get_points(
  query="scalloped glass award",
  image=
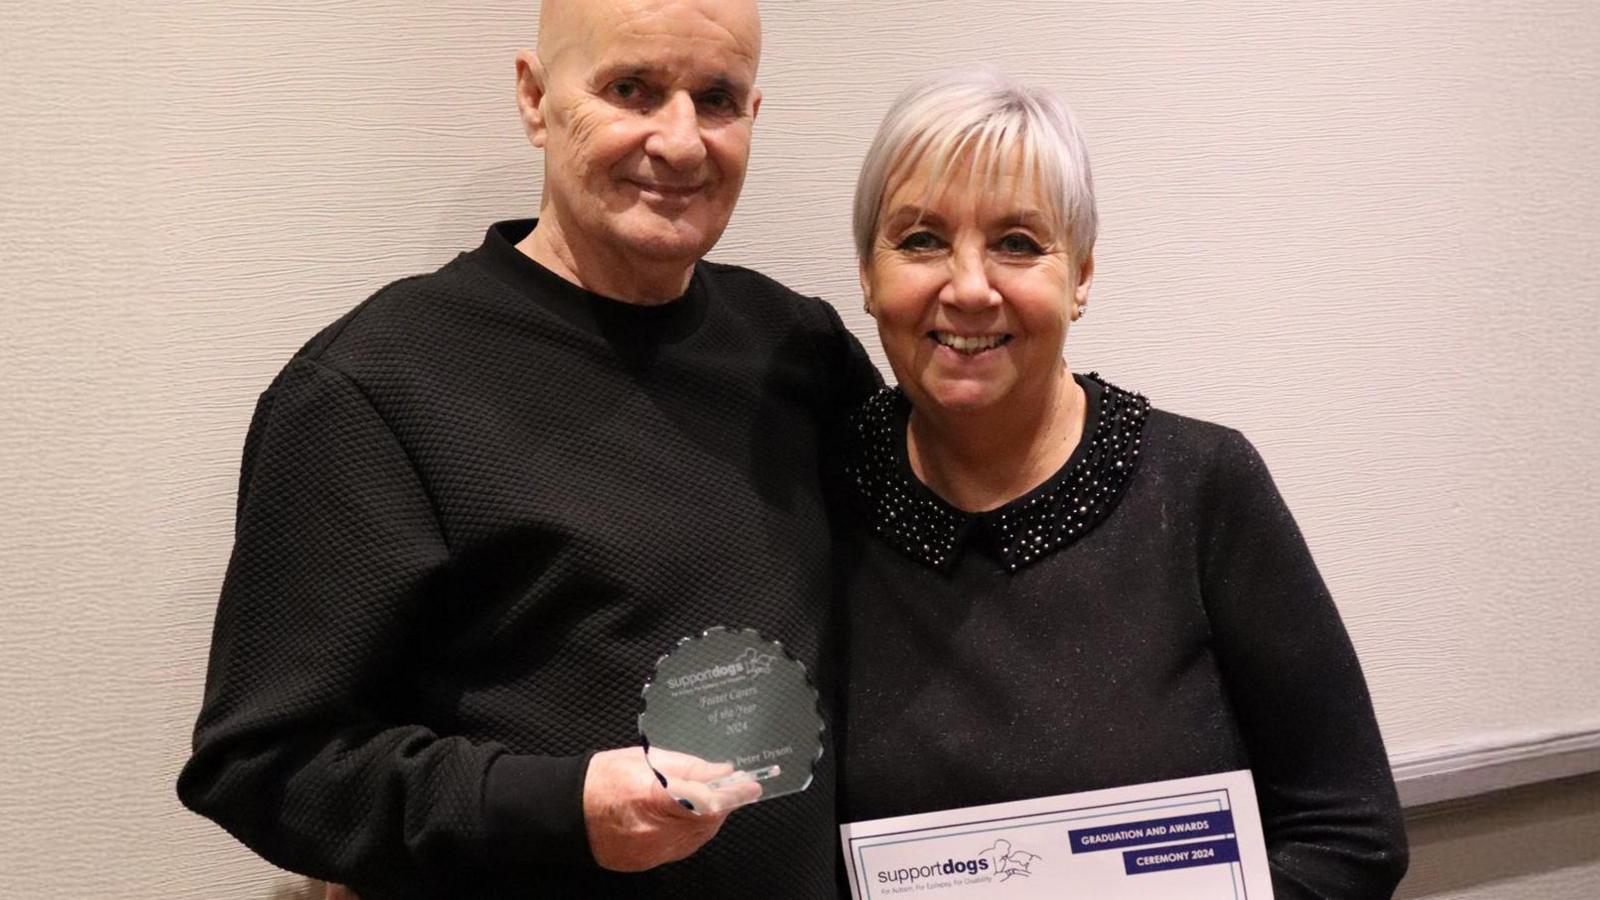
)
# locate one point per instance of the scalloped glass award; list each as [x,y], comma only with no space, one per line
[730,718]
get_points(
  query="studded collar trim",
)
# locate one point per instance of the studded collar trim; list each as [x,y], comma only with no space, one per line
[910,517]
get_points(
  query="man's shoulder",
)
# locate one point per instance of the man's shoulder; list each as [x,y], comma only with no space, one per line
[754,289]
[404,319]
[729,273]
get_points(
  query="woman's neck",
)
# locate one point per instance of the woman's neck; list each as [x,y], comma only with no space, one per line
[981,461]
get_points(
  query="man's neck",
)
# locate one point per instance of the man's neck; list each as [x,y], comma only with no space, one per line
[982,461]
[602,270]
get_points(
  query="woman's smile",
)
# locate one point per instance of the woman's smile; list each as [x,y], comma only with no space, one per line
[969,344]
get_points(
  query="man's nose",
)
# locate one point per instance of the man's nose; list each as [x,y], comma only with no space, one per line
[677,140]
[969,287]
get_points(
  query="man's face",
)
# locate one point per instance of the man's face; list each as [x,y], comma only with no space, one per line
[647,115]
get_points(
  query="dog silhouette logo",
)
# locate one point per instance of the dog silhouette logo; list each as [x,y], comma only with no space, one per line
[1010,862]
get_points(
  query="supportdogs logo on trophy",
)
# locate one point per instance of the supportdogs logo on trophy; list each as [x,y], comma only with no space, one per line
[732,697]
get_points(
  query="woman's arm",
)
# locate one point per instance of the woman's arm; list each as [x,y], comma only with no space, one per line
[1333,821]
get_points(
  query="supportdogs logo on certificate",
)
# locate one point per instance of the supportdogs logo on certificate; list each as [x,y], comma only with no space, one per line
[1010,862]
[1000,862]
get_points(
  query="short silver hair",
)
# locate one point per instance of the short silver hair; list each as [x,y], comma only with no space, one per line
[985,117]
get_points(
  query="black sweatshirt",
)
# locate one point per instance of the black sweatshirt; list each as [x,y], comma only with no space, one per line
[472,514]
[1150,612]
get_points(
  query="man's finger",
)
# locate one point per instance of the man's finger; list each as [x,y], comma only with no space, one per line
[737,794]
[674,764]
[694,798]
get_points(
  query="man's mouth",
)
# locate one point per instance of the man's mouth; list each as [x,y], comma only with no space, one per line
[674,191]
[969,344]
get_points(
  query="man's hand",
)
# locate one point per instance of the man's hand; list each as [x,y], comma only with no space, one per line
[634,824]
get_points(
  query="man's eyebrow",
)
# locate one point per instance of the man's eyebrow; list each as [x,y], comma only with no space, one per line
[735,86]
[626,70]
[647,71]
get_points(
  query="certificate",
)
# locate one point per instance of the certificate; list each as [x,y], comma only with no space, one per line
[1191,838]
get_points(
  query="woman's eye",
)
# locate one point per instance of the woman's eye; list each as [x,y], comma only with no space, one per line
[919,241]
[1019,244]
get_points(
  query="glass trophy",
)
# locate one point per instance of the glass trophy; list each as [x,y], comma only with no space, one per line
[730,718]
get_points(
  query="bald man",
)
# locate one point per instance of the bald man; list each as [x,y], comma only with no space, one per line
[475,510]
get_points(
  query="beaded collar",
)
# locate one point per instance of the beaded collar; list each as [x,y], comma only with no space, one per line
[914,520]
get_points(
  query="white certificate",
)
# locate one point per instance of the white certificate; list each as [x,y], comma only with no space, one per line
[1191,838]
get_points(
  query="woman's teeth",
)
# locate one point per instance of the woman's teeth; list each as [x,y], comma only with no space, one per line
[970,344]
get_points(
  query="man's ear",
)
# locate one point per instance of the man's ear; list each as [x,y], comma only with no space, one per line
[531,86]
[755,103]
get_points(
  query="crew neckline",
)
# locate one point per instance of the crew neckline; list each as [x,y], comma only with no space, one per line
[664,322]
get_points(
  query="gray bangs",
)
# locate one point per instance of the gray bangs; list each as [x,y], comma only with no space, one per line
[979,126]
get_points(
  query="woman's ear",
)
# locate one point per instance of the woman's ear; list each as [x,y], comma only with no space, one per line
[1080,293]
[530,96]
[866,290]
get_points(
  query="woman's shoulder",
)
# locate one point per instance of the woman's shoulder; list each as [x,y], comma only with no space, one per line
[1177,448]
[880,407]
[865,439]
[1190,435]
[1210,456]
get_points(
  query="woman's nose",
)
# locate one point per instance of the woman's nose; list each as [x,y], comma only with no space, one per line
[969,286]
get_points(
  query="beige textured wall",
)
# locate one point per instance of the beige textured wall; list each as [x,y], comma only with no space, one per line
[1361,231]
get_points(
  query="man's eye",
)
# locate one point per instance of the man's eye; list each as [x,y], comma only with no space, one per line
[720,102]
[918,242]
[1018,244]
[627,90]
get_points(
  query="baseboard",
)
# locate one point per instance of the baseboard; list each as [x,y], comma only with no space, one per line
[1453,773]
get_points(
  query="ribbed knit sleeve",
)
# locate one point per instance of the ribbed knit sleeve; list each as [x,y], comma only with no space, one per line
[298,751]
[1327,797]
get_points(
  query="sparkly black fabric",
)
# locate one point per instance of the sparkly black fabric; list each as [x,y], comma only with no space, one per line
[1181,629]
[919,524]
[472,515]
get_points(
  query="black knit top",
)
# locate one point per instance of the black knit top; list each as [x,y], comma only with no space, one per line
[472,514]
[1150,612]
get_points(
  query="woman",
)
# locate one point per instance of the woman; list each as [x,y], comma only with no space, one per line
[1055,587]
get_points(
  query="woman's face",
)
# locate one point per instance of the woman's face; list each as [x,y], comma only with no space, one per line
[973,292]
